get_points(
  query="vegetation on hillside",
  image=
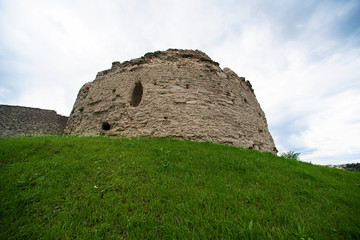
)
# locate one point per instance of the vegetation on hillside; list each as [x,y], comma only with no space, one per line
[111,188]
[353,167]
[291,155]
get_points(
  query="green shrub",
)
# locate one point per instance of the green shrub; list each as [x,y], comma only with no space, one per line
[291,155]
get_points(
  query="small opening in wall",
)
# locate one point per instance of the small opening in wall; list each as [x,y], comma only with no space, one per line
[187,86]
[245,100]
[106,126]
[136,94]
[114,90]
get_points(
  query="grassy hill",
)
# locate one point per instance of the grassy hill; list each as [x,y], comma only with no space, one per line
[109,188]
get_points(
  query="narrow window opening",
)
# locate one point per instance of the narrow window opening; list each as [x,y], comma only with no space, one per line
[136,94]
[106,126]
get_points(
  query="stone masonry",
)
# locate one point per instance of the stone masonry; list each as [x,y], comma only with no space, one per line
[174,93]
[16,121]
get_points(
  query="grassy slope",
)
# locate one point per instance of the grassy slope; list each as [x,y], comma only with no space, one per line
[105,188]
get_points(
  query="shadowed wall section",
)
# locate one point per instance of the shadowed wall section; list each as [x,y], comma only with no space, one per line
[16,121]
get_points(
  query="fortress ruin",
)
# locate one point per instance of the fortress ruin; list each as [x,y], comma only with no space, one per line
[174,93]
[17,121]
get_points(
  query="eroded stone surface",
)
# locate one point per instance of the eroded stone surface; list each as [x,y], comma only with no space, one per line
[173,93]
[17,121]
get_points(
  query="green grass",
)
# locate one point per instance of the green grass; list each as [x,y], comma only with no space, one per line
[110,188]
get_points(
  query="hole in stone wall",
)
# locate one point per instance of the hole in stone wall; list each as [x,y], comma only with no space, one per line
[106,126]
[245,100]
[187,86]
[136,94]
[114,90]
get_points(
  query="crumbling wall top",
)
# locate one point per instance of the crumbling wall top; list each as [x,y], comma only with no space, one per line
[172,93]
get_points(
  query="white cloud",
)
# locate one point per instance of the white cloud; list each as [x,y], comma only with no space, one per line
[334,131]
[299,80]
[4,94]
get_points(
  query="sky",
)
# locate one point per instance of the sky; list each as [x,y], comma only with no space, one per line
[301,56]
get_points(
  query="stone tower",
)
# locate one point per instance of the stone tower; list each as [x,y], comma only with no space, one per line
[174,93]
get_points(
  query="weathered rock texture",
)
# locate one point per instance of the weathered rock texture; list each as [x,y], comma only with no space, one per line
[173,93]
[16,121]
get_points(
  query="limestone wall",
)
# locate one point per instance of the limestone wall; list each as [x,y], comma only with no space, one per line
[16,121]
[174,93]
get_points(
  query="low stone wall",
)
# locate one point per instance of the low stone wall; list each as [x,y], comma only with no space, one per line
[17,121]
